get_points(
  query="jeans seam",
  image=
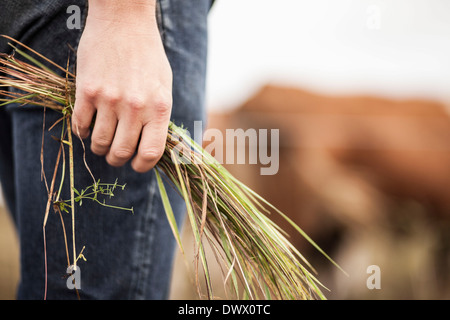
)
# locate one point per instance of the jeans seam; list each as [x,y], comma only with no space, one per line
[160,20]
[83,25]
[144,246]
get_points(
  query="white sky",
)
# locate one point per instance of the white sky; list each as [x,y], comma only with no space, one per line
[388,47]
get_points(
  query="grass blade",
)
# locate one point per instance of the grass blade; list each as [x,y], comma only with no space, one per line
[168,210]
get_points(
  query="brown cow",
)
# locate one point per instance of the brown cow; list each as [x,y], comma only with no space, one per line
[367,177]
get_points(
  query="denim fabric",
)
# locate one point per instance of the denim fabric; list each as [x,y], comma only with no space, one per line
[129,256]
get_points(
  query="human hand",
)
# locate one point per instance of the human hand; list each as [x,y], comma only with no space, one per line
[124,77]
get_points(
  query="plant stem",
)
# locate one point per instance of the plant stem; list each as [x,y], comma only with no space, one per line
[72,186]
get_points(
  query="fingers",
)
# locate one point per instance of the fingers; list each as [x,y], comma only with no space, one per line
[124,128]
[154,134]
[82,117]
[103,132]
[125,142]
[150,149]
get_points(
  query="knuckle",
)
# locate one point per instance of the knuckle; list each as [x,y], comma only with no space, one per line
[162,107]
[121,155]
[151,154]
[163,102]
[135,103]
[89,91]
[93,92]
[111,97]
[101,142]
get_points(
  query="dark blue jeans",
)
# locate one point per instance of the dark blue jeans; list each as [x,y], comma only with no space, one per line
[129,255]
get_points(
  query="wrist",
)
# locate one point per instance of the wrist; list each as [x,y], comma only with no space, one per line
[123,11]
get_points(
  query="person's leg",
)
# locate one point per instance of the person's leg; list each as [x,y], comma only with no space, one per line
[42,26]
[129,255]
[6,162]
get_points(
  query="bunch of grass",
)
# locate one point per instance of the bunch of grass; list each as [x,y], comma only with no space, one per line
[257,259]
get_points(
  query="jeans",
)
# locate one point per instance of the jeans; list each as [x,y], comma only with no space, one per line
[129,255]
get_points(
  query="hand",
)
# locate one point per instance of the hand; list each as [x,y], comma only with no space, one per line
[124,77]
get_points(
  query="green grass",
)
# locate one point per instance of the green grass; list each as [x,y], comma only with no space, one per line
[257,258]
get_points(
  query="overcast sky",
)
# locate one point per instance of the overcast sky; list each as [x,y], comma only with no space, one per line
[390,47]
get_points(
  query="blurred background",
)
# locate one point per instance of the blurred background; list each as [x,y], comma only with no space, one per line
[359,90]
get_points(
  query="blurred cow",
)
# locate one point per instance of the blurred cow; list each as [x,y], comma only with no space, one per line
[368,178]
